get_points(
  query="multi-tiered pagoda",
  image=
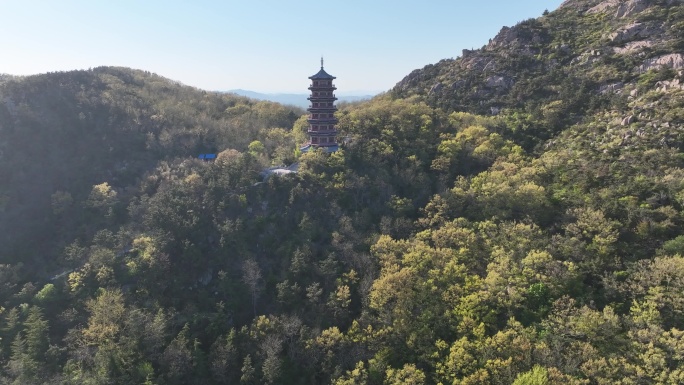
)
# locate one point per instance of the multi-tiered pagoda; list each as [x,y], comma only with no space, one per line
[322,122]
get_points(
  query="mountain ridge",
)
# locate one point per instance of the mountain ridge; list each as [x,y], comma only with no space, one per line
[584,45]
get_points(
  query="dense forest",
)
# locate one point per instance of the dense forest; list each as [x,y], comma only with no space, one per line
[512,216]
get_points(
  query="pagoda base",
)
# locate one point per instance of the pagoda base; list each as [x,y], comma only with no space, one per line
[309,147]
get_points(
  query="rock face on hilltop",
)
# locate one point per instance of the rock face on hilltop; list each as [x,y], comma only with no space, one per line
[563,66]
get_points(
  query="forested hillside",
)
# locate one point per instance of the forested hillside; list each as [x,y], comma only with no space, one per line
[513,216]
[62,133]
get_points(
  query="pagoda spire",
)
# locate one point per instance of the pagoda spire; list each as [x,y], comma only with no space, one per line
[321,61]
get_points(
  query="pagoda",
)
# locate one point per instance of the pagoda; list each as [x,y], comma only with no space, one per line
[322,122]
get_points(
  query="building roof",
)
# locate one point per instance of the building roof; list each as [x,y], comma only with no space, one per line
[280,170]
[322,75]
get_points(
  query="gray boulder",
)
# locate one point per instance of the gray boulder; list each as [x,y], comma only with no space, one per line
[631,7]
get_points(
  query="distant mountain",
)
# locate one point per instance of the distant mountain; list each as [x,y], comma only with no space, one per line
[298,100]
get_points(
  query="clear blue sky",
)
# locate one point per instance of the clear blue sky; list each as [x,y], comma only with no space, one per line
[259,45]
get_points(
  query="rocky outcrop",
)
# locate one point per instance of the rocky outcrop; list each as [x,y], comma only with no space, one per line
[627,120]
[491,66]
[603,6]
[566,4]
[587,58]
[522,37]
[474,62]
[633,46]
[506,36]
[631,7]
[673,60]
[612,88]
[631,32]
[581,5]
[499,82]
[458,84]
[668,85]
[436,88]
[623,8]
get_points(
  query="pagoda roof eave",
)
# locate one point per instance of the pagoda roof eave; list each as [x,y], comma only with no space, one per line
[322,75]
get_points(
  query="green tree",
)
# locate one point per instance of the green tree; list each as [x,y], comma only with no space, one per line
[409,375]
[36,329]
[357,376]
[21,366]
[248,373]
[47,294]
[251,276]
[224,359]
[537,376]
[177,359]
[102,196]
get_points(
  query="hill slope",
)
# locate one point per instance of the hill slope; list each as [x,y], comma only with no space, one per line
[546,73]
[64,132]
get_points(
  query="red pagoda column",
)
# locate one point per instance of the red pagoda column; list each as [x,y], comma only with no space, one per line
[322,122]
